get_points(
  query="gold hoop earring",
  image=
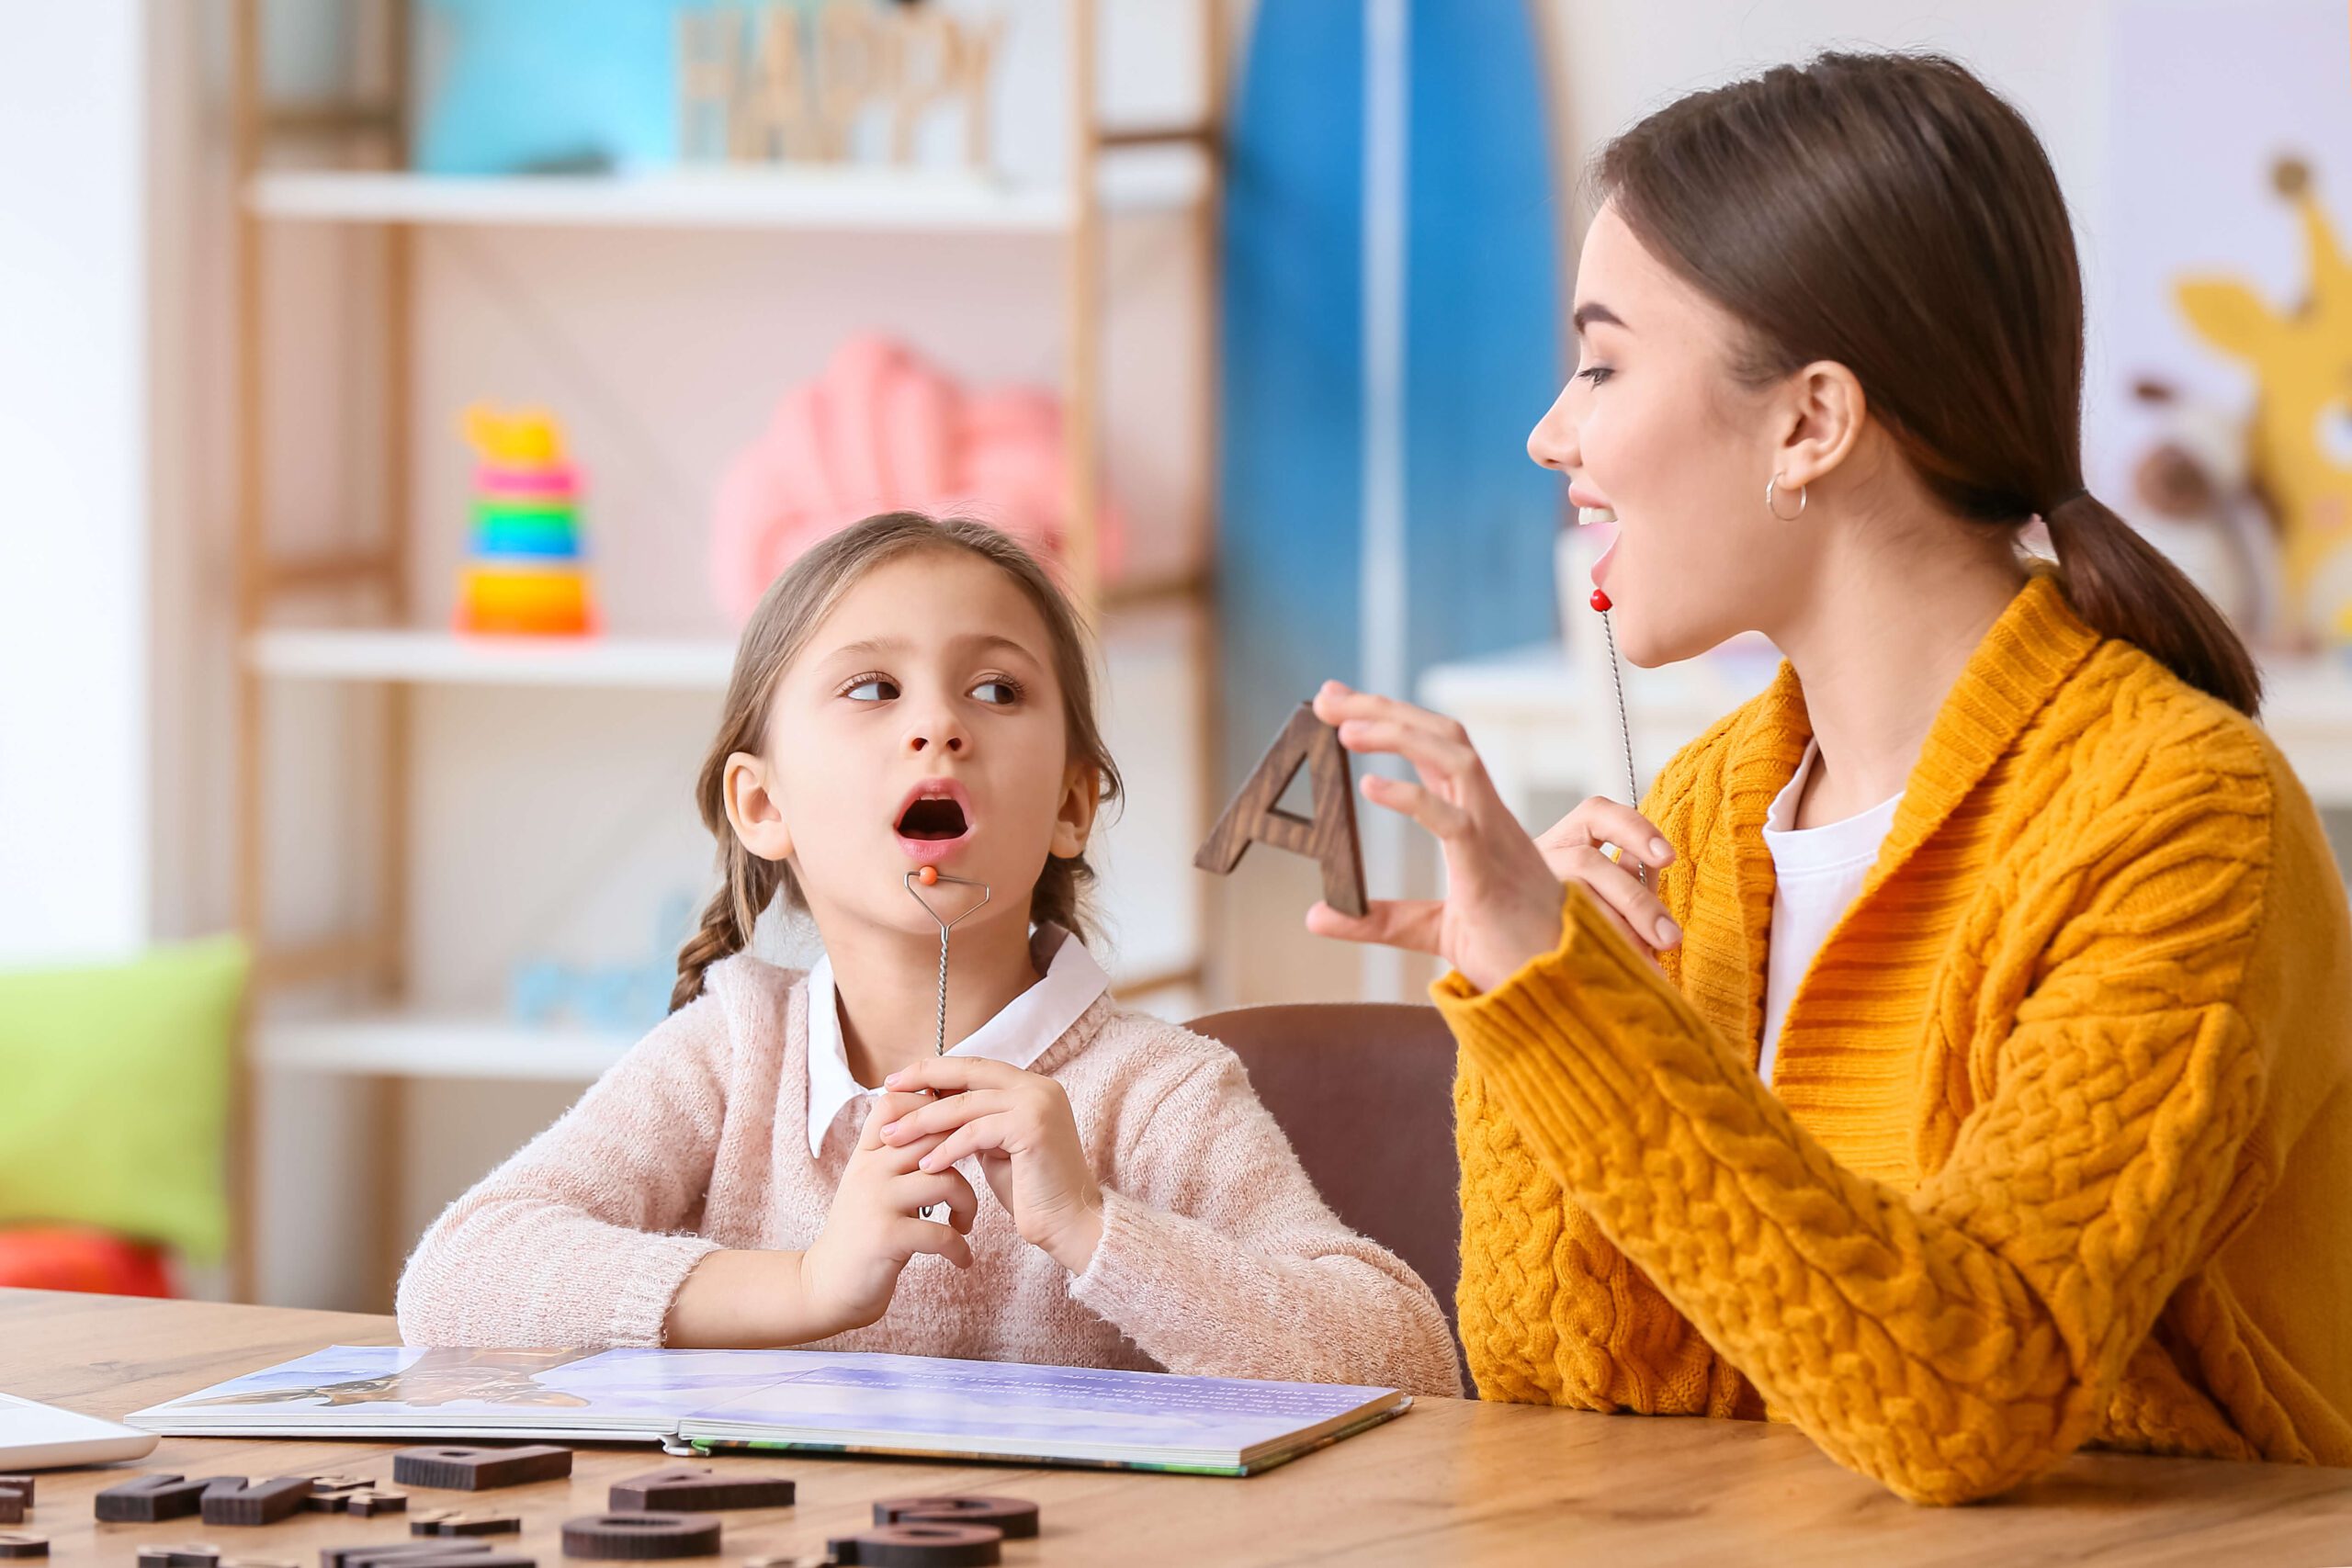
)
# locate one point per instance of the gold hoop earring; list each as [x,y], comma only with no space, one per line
[1771,485]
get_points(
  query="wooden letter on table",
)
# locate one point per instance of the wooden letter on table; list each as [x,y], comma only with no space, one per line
[1331,838]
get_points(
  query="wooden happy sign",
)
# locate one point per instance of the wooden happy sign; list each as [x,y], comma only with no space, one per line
[775,82]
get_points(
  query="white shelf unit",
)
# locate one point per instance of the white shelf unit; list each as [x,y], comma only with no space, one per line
[430,1046]
[817,200]
[427,657]
[1546,728]
[1163,169]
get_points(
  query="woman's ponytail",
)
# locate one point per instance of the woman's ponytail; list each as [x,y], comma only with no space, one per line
[2122,587]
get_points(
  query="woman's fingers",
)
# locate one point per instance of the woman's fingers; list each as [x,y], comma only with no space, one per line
[1392,922]
[1601,821]
[1431,810]
[1641,941]
[1440,756]
[1370,723]
[1636,906]
[1337,703]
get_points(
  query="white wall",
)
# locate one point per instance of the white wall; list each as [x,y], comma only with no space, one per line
[75,570]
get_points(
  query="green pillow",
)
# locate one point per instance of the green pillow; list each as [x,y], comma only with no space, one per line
[114,1094]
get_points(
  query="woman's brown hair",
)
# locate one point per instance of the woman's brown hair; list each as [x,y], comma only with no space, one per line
[1891,213]
[788,614]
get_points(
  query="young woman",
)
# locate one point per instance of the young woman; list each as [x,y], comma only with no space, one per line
[1962,1073]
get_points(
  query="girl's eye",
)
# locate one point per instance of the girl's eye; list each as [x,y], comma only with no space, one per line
[996,691]
[1596,374]
[871,689]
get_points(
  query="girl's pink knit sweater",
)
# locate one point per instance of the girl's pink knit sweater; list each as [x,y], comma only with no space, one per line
[1217,1255]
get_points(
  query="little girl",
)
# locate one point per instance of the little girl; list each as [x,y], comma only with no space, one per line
[916,694]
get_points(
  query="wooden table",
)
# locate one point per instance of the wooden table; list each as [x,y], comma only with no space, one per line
[1452,1481]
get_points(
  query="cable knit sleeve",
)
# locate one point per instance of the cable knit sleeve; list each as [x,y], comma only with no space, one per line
[581,1237]
[1551,1311]
[1219,1258]
[1958,1338]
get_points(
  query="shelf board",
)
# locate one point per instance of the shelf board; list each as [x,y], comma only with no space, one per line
[413,1045]
[460,1045]
[845,199]
[439,658]
[422,656]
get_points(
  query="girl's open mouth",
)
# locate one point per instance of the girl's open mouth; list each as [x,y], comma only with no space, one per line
[934,817]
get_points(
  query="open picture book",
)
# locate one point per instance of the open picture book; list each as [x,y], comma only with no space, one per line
[799,1401]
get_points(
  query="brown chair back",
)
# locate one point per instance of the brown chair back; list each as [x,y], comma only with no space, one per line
[1365,1092]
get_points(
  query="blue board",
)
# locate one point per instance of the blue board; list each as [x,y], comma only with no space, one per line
[1482,350]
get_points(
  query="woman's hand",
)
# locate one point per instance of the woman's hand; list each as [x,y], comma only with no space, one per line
[1572,848]
[872,1232]
[1503,890]
[1021,1126]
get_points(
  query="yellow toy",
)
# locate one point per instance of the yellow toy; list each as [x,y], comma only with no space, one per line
[525,575]
[2302,447]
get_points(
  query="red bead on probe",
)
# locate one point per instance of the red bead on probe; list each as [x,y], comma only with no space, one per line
[1600,600]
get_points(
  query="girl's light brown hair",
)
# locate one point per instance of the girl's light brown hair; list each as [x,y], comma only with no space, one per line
[1891,213]
[788,614]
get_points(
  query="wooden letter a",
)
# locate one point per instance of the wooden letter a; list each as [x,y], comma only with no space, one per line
[1331,838]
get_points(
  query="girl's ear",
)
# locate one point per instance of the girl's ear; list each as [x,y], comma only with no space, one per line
[1826,413]
[1074,822]
[754,809]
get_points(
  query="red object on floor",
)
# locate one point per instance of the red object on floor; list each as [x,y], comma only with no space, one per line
[68,1257]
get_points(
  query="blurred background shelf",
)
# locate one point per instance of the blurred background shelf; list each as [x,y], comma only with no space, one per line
[437,658]
[420,1045]
[1547,732]
[425,656]
[851,198]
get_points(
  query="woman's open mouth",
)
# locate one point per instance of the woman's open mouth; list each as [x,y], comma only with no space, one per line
[1604,519]
[935,817]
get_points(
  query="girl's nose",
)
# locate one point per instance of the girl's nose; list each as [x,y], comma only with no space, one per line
[941,737]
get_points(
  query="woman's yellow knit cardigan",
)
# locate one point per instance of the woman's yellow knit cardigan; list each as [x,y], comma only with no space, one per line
[2058,1148]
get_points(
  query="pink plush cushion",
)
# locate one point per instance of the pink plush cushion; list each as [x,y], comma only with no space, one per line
[880,431]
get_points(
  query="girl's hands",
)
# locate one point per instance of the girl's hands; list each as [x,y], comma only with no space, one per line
[849,1273]
[1503,890]
[1021,1126]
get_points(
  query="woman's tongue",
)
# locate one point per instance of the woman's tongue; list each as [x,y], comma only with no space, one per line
[1604,534]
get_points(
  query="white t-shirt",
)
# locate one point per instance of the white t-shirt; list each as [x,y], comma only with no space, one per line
[1818,872]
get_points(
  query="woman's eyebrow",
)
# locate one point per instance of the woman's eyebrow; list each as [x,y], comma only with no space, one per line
[1593,310]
